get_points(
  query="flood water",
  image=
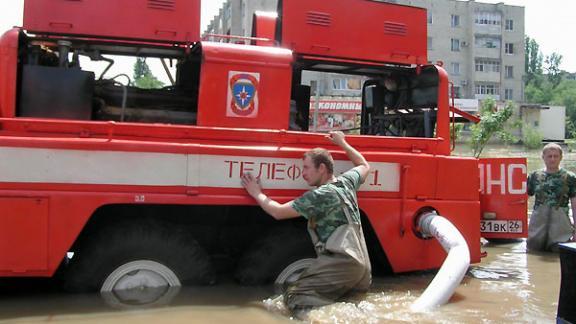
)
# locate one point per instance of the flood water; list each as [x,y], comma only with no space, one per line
[508,286]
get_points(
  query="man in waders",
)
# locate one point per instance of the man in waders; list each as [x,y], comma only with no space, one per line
[342,265]
[552,187]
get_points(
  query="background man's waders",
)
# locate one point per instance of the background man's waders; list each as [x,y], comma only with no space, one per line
[548,226]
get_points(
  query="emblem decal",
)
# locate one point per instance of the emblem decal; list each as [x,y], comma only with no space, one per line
[242,94]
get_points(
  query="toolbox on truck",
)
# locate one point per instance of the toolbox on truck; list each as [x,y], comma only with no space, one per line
[155,20]
[373,31]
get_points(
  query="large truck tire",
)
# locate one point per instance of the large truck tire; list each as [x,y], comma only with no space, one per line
[271,254]
[137,255]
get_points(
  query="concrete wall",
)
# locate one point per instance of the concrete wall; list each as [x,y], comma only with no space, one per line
[552,122]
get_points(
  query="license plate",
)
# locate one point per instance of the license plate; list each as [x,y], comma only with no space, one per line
[501,226]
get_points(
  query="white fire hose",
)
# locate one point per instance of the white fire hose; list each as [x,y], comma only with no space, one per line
[454,267]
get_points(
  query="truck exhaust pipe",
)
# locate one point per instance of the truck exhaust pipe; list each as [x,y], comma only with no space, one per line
[454,267]
[63,51]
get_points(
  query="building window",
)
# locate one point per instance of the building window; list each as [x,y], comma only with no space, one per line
[429,43]
[479,66]
[488,18]
[508,94]
[339,84]
[509,72]
[456,90]
[509,48]
[509,24]
[455,21]
[455,45]
[227,12]
[346,84]
[354,84]
[455,68]
[430,20]
[487,89]
[486,65]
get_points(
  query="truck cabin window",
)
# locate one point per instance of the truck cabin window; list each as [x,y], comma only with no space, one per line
[401,105]
[140,96]
[94,82]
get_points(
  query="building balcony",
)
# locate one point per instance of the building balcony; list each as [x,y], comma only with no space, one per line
[487,77]
[486,96]
[484,52]
[488,29]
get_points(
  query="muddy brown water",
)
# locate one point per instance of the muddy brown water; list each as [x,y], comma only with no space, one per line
[508,286]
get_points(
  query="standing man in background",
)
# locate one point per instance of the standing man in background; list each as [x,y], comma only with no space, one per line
[553,187]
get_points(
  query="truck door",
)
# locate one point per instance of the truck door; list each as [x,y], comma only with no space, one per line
[503,198]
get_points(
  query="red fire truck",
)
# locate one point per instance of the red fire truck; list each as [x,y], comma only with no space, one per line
[102,182]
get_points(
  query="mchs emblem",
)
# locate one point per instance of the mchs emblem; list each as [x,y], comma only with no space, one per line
[242,94]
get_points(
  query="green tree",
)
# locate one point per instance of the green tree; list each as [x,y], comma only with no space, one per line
[552,88]
[533,60]
[492,122]
[565,95]
[553,62]
[540,92]
[531,137]
[143,77]
[456,131]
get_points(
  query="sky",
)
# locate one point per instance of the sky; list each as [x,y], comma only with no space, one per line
[550,22]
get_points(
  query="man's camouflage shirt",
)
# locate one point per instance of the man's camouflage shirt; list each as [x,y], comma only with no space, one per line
[323,207]
[552,189]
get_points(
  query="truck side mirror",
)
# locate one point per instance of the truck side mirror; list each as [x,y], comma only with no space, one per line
[369,96]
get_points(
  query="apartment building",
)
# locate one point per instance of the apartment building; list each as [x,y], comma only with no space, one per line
[235,17]
[481,46]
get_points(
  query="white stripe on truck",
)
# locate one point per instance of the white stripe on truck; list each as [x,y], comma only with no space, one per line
[33,165]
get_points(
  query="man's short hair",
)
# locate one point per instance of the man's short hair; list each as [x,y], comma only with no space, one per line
[318,156]
[552,146]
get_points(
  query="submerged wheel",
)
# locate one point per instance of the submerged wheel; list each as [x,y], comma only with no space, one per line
[270,255]
[290,274]
[137,264]
[140,282]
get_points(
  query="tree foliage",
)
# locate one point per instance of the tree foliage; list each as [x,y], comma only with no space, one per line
[533,59]
[143,77]
[493,122]
[531,137]
[547,84]
[553,62]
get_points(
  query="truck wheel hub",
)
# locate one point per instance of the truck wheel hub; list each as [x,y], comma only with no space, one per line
[141,282]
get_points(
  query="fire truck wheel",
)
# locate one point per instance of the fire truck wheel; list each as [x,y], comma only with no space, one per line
[141,256]
[140,283]
[271,254]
